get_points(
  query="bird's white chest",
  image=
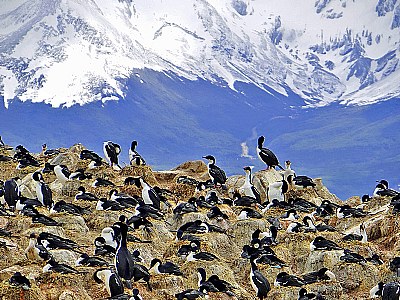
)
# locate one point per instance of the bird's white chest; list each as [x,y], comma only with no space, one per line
[146,195]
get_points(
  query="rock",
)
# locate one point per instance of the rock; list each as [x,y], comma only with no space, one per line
[70,222]
[353,280]
[67,295]
[65,256]
[197,167]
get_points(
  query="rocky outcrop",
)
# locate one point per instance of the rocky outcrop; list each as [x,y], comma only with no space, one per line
[352,280]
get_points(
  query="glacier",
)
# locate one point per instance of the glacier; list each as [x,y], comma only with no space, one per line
[72,52]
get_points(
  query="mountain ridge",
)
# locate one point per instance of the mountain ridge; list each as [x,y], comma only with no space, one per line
[329,51]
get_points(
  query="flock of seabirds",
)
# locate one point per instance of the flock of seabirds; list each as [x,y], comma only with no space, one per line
[153,204]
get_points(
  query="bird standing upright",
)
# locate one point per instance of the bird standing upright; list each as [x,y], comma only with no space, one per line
[248,188]
[111,152]
[43,192]
[135,158]
[217,175]
[266,155]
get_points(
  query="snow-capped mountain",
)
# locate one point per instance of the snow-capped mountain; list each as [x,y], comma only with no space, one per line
[66,52]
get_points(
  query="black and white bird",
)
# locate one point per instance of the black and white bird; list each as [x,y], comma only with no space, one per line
[102,249]
[46,152]
[217,175]
[277,190]
[111,152]
[149,194]
[11,192]
[248,187]
[275,203]
[45,220]
[375,259]
[52,241]
[303,181]
[352,257]
[290,215]
[185,208]
[190,294]
[102,182]
[70,208]
[266,155]
[295,227]
[203,283]
[257,249]
[321,243]
[213,284]
[85,196]
[79,174]
[394,265]
[310,226]
[302,204]
[48,168]
[304,295]
[19,280]
[124,199]
[95,159]
[135,295]
[248,213]
[124,262]
[23,202]
[148,211]
[135,158]
[391,291]
[284,279]
[105,204]
[43,191]
[62,173]
[36,251]
[346,211]
[322,274]
[54,266]
[239,200]
[24,158]
[111,280]
[125,265]
[376,291]
[362,237]
[326,209]
[165,268]
[90,261]
[29,210]
[216,213]
[288,173]
[272,260]
[195,254]
[222,285]
[382,189]
[111,236]
[267,238]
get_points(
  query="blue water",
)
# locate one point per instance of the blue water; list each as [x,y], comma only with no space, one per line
[176,120]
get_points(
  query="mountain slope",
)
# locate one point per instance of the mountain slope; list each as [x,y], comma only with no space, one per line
[72,52]
[182,120]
